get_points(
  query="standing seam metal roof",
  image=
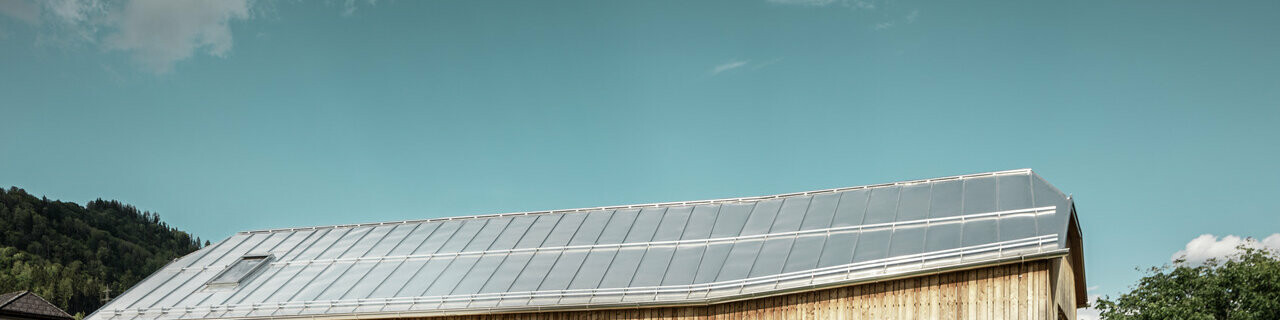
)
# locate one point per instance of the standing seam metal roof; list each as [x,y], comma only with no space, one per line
[692,252]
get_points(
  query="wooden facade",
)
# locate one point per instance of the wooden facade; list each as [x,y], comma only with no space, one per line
[1023,290]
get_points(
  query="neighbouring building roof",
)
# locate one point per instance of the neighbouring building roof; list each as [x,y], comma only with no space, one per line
[24,304]
[678,253]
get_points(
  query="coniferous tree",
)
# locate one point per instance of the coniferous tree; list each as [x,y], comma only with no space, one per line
[70,254]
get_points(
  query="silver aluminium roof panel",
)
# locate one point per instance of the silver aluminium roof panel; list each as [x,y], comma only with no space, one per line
[692,252]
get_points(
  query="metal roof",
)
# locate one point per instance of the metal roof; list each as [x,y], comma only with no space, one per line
[678,253]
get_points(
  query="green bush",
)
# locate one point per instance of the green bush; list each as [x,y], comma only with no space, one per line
[1243,286]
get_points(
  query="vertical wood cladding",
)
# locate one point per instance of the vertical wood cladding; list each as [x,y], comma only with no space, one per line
[1012,291]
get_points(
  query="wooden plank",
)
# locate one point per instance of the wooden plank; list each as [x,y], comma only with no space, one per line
[947,307]
[998,280]
[983,284]
[935,290]
[845,308]
[1027,287]
[1021,289]
[1008,292]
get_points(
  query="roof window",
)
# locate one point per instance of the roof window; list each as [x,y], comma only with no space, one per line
[240,270]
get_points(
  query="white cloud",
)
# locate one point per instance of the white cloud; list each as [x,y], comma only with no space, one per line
[25,11]
[1197,251]
[159,33]
[1272,241]
[1090,313]
[155,33]
[729,66]
[1208,246]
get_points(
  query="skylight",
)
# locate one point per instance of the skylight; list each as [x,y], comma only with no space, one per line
[240,270]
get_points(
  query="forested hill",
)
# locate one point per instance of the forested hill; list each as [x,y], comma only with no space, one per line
[72,254]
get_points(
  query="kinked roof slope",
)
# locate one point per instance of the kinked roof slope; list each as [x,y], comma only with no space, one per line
[679,253]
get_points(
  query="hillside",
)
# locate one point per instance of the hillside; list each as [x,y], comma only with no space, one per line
[73,255]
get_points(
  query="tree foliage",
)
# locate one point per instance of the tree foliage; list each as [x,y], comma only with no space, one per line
[72,255]
[1243,286]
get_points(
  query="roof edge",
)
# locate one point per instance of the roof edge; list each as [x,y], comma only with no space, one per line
[692,303]
[14,297]
[660,204]
[1046,182]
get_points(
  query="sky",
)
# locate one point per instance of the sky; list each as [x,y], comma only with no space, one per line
[1159,117]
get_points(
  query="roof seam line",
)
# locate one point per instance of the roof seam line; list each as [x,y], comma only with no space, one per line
[655,204]
[996,214]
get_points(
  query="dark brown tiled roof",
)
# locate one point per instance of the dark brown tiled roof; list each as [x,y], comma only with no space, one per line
[4,298]
[25,303]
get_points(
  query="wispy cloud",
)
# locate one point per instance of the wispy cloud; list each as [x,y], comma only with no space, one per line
[816,3]
[766,63]
[68,22]
[1208,246]
[909,18]
[856,4]
[729,66]
[156,34]
[349,7]
[881,14]
[748,65]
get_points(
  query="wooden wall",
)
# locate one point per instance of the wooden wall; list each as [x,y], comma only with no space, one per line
[1063,282]
[1013,291]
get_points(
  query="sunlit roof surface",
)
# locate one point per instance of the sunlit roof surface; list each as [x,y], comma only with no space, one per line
[693,252]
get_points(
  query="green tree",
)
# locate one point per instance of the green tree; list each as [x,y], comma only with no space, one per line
[1246,285]
[71,254]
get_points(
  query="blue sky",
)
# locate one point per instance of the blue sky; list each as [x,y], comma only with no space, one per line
[1159,116]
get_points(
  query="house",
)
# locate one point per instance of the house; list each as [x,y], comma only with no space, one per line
[983,246]
[24,305]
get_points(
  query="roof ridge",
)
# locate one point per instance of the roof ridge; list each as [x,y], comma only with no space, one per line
[50,304]
[14,298]
[651,205]
[1032,210]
